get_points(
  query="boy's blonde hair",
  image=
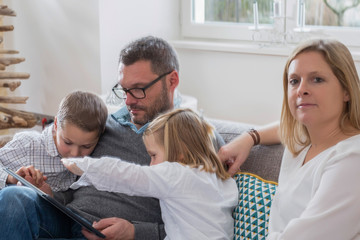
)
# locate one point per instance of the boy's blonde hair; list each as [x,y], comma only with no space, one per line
[85,110]
[187,139]
[339,59]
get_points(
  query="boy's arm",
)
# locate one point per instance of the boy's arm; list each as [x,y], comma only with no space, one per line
[12,156]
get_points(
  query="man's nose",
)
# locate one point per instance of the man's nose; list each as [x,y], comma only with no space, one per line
[130,99]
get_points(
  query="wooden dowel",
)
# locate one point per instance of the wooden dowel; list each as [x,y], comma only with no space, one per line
[10,60]
[12,85]
[8,99]
[3,51]
[11,75]
[5,11]
[6,28]
[11,118]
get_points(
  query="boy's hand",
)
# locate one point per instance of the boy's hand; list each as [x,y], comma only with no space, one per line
[72,167]
[31,174]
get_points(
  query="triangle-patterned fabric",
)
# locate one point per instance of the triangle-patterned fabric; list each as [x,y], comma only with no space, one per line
[253,210]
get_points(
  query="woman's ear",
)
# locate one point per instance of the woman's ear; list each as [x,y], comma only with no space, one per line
[346,96]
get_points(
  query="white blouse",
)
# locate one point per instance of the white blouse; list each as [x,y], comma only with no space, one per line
[320,199]
[194,204]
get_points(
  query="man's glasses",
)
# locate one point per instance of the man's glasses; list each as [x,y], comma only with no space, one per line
[138,93]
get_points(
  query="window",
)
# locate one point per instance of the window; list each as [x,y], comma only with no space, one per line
[345,13]
[275,21]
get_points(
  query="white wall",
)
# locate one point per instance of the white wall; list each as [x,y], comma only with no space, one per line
[227,85]
[75,45]
[233,86]
[122,21]
[60,41]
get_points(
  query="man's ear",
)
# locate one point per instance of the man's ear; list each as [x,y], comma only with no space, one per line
[174,79]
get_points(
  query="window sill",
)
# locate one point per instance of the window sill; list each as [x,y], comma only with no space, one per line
[245,47]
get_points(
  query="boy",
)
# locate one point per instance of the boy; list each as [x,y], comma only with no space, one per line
[75,132]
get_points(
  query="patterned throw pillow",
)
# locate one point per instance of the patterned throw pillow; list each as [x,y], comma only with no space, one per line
[252,212]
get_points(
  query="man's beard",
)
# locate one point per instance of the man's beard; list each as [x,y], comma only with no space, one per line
[160,105]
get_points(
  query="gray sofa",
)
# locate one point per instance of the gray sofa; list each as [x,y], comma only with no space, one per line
[250,219]
[263,161]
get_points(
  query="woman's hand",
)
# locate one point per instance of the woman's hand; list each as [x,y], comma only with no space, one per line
[236,152]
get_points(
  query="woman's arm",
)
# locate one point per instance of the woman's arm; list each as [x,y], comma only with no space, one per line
[236,152]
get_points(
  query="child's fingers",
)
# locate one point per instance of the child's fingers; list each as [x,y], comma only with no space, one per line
[23,171]
[72,167]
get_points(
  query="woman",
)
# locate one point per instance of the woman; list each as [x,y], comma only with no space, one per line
[317,196]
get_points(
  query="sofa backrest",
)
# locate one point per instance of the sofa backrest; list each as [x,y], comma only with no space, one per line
[263,161]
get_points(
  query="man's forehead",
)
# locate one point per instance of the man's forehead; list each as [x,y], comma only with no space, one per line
[135,74]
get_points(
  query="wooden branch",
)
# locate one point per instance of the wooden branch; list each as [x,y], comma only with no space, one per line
[5,11]
[12,85]
[4,139]
[12,75]
[10,60]
[6,28]
[6,61]
[11,118]
[8,99]
[2,51]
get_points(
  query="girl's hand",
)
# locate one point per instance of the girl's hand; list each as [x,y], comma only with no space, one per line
[72,167]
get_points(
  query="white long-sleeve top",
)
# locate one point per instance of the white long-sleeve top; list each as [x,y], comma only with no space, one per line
[194,204]
[321,199]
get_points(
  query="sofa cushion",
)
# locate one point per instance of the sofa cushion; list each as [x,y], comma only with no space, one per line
[253,210]
[263,161]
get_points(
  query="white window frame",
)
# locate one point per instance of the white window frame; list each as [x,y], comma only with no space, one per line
[226,31]
[242,32]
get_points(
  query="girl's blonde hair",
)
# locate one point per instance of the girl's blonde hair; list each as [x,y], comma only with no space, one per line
[187,139]
[339,59]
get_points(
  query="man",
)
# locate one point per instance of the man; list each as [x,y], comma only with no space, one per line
[148,77]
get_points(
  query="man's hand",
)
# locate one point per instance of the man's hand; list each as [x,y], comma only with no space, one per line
[113,229]
[236,152]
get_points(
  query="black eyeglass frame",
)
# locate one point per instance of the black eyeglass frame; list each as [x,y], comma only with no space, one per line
[126,91]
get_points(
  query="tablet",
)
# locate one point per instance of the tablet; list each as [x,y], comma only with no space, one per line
[56,204]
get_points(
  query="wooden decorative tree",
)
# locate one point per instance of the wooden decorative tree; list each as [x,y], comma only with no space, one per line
[10,81]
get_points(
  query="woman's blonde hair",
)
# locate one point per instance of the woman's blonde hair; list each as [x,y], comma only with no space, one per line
[187,139]
[339,59]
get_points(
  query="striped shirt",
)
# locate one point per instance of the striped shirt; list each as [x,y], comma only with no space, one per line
[37,149]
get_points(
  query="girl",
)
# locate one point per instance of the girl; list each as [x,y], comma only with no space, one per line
[196,194]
